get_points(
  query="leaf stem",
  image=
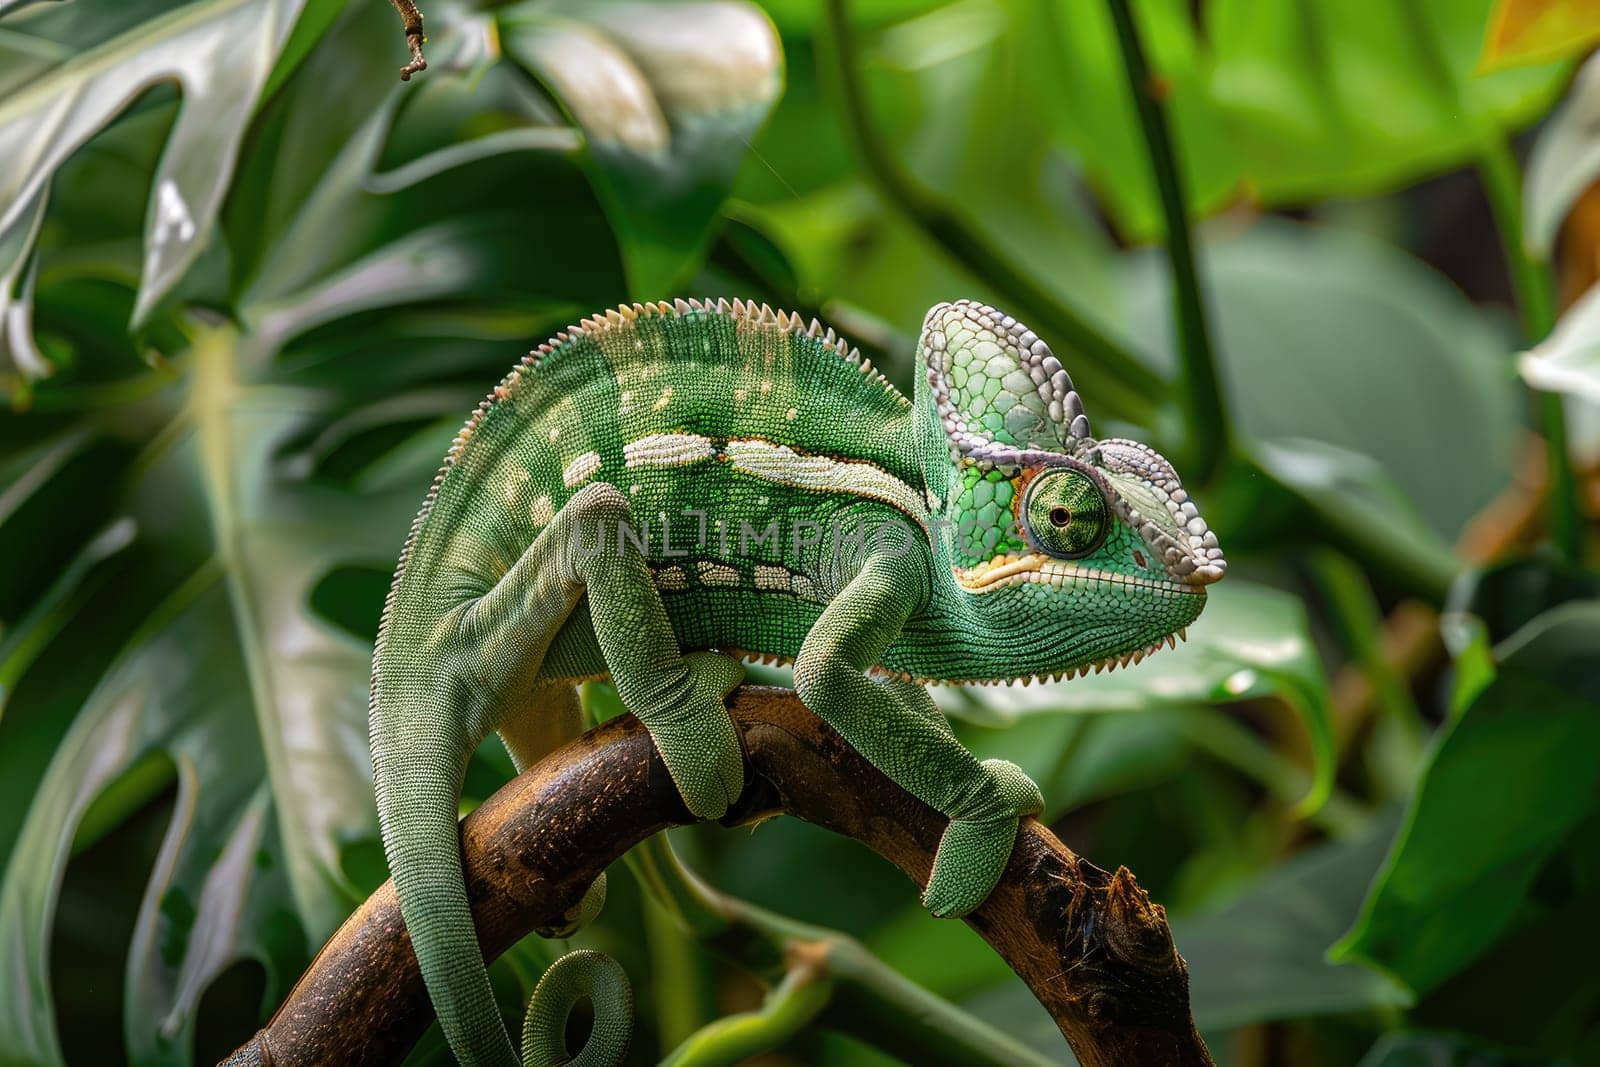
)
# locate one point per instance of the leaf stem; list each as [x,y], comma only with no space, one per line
[787,1012]
[875,1004]
[1502,185]
[1105,368]
[1207,430]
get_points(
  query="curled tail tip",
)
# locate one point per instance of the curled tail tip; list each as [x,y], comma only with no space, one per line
[580,975]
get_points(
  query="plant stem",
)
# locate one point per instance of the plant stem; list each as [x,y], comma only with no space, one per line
[875,1004]
[1502,184]
[1207,431]
[788,1011]
[1105,369]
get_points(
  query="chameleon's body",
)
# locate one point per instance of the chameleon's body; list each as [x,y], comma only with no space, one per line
[813,514]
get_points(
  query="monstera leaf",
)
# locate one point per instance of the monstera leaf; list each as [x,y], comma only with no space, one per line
[220,52]
[668,97]
[259,704]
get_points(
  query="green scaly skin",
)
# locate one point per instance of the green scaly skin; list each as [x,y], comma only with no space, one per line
[978,533]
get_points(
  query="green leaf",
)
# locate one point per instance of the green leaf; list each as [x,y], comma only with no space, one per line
[668,97]
[1506,781]
[220,52]
[1250,641]
[1276,101]
[1261,957]
[260,705]
[1568,361]
[1330,335]
[1351,500]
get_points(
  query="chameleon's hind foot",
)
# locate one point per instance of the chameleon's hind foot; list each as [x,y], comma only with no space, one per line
[697,739]
[579,915]
[973,852]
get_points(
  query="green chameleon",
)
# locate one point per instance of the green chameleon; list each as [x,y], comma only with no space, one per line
[665,489]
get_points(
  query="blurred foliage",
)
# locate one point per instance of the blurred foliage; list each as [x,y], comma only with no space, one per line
[250,285]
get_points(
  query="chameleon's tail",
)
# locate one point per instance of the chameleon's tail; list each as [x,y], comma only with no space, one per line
[418,774]
[418,781]
[570,980]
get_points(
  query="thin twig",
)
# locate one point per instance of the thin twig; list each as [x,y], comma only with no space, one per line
[1088,943]
[415,38]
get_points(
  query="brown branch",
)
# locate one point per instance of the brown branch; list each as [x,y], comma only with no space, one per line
[1089,944]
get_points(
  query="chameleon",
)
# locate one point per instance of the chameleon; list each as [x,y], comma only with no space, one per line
[667,490]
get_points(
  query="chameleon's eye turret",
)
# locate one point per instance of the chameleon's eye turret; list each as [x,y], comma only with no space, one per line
[1065,514]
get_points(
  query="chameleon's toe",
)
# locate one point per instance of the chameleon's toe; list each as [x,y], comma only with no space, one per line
[972,855]
[1018,793]
[698,741]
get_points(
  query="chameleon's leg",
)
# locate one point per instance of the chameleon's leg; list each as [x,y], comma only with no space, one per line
[429,713]
[531,729]
[678,698]
[897,727]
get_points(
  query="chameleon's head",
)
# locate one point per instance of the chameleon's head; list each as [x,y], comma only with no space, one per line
[1072,553]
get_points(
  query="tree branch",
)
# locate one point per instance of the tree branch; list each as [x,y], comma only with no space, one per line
[1089,944]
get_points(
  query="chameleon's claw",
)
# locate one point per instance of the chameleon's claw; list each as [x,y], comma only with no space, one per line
[697,739]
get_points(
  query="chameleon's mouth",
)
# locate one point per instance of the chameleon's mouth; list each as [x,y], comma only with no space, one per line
[1109,663]
[1048,570]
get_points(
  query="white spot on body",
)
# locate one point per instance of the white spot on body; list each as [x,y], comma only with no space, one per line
[581,470]
[772,579]
[542,511]
[782,464]
[514,484]
[668,450]
[663,400]
[717,573]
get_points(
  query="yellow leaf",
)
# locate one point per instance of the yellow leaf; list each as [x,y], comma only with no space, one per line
[1524,32]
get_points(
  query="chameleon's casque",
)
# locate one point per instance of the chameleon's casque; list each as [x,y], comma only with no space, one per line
[666,486]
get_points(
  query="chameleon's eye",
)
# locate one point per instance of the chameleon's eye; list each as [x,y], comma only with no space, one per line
[1066,514]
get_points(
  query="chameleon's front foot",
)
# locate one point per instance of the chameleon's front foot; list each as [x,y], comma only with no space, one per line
[975,849]
[697,739]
